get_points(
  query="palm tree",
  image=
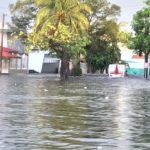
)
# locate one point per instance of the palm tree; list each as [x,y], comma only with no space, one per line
[70,13]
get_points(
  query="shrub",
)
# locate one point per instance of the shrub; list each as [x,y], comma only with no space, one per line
[76,71]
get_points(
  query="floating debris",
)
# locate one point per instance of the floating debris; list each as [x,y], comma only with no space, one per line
[106,97]
[45,90]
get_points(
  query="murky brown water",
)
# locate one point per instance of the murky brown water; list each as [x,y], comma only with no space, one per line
[39,112]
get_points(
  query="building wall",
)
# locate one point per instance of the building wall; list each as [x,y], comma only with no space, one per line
[42,62]
[5,32]
[136,66]
[19,63]
[5,43]
[36,61]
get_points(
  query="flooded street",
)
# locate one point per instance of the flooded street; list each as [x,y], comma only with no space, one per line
[39,112]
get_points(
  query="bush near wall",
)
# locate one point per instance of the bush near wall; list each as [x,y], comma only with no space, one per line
[76,71]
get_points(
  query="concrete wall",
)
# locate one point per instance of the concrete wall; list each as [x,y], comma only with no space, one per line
[5,44]
[5,66]
[50,68]
[36,61]
[83,67]
[42,62]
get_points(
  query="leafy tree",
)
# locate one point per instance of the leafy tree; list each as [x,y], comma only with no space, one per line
[59,24]
[66,17]
[23,15]
[62,26]
[141,40]
[102,10]
[103,49]
[103,31]
[123,35]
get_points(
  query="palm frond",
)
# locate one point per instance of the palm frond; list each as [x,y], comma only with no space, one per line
[43,2]
[86,8]
[68,12]
[42,15]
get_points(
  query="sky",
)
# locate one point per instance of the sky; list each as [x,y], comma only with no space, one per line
[4,8]
[128,8]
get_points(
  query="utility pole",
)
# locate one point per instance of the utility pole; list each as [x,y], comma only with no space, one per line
[146,66]
[2,34]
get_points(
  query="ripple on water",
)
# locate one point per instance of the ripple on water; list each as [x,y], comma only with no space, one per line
[112,114]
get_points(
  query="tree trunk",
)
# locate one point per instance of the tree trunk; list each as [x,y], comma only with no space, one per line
[64,71]
[107,69]
[89,68]
[101,71]
[146,66]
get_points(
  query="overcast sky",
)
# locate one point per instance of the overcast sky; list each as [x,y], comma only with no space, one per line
[128,8]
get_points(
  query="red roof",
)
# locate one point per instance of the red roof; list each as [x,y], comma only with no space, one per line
[9,53]
[137,57]
[9,50]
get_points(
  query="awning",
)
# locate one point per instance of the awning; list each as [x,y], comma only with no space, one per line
[9,50]
[9,53]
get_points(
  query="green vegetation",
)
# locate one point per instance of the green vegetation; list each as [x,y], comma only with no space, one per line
[71,28]
[23,14]
[103,49]
[103,32]
[76,71]
[58,24]
[140,42]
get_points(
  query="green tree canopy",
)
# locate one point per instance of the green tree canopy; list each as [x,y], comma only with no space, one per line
[103,31]
[103,49]
[58,25]
[65,27]
[140,42]
[23,15]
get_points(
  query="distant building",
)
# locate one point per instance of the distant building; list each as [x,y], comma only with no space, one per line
[9,53]
[15,60]
[135,62]
[43,62]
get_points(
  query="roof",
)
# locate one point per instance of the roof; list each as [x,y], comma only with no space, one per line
[9,53]
[137,57]
[9,50]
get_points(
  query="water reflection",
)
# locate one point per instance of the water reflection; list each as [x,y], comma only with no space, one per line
[42,113]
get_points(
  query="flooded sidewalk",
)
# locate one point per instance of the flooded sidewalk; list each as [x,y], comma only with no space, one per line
[39,112]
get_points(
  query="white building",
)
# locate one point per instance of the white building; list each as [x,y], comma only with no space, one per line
[135,62]
[8,53]
[42,62]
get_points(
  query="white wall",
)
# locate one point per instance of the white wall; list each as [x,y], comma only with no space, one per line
[4,39]
[36,61]
[5,66]
[5,42]
[83,67]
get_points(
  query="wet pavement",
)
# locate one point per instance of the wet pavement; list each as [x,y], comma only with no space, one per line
[39,112]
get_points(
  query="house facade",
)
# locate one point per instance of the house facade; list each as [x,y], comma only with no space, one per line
[135,62]
[7,53]
[42,62]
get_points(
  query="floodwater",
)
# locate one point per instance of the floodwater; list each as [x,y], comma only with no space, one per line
[39,112]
